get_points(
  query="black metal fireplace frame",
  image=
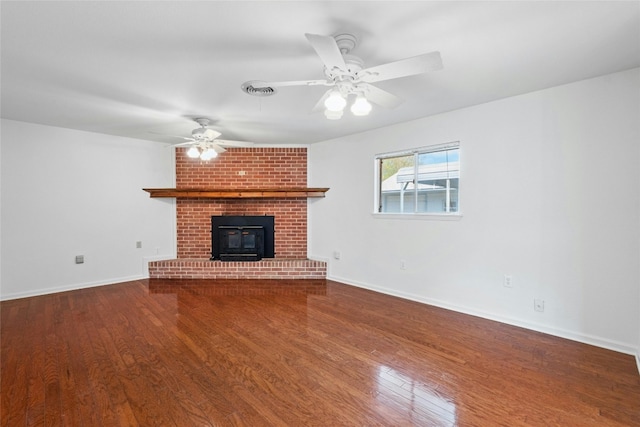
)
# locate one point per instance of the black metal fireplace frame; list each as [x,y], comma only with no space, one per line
[265,221]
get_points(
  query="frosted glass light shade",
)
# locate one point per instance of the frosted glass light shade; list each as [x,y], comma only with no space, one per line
[193,152]
[335,102]
[361,107]
[209,154]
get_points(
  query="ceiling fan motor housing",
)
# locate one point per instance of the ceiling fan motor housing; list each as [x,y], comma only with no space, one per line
[203,134]
[349,76]
[345,42]
[346,81]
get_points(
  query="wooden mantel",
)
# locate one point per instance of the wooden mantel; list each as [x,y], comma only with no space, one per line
[249,193]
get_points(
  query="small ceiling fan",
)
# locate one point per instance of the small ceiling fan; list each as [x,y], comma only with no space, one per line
[346,76]
[204,142]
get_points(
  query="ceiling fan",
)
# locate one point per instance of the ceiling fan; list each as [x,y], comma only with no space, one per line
[346,76]
[204,142]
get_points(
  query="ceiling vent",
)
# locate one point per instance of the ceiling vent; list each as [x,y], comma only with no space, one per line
[261,90]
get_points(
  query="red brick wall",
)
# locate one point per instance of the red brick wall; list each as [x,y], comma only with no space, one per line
[262,167]
[240,168]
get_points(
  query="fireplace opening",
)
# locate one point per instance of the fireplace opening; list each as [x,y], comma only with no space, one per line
[240,243]
[242,238]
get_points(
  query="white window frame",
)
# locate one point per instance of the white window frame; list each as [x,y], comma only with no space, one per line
[414,214]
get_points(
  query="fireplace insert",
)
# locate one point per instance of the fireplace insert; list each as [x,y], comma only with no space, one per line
[242,238]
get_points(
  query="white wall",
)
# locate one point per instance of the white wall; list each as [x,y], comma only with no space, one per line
[550,194]
[67,193]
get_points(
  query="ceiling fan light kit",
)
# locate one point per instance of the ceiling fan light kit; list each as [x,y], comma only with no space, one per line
[202,153]
[204,144]
[346,76]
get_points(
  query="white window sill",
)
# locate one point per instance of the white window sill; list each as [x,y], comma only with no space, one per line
[419,216]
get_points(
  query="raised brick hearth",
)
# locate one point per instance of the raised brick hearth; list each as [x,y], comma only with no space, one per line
[264,269]
[236,169]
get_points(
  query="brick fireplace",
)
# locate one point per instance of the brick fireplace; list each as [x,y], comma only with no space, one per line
[240,169]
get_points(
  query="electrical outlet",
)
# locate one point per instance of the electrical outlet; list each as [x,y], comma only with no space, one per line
[79,259]
[538,305]
[507,281]
[403,264]
[138,244]
[336,254]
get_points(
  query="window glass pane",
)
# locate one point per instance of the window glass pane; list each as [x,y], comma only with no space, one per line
[396,184]
[438,181]
[425,181]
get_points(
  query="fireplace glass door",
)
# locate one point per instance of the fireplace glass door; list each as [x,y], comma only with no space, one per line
[241,243]
[252,238]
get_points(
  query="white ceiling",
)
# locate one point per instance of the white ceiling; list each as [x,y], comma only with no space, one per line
[137,67]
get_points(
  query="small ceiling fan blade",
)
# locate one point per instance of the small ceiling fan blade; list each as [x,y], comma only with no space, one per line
[402,68]
[207,134]
[173,136]
[292,83]
[231,143]
[381,97]
[320,104]
[328,51]
[184,144]
[217,148]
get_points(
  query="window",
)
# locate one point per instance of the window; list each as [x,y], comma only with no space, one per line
[421,181]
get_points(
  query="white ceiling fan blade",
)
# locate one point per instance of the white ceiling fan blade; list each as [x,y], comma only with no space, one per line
[184,144]
[402,68]
[173,136]
[381,97]
[328,51]
[217,148]
[320,104]
[231,143]
[292,83]
[206,133]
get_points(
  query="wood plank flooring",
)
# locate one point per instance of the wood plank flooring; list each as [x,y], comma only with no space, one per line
[292,353]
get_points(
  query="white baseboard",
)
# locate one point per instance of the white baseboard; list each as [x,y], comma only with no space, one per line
[562,333]
[73,287]
[45,291]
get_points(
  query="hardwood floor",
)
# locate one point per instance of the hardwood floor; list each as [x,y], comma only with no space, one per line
[292,353]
